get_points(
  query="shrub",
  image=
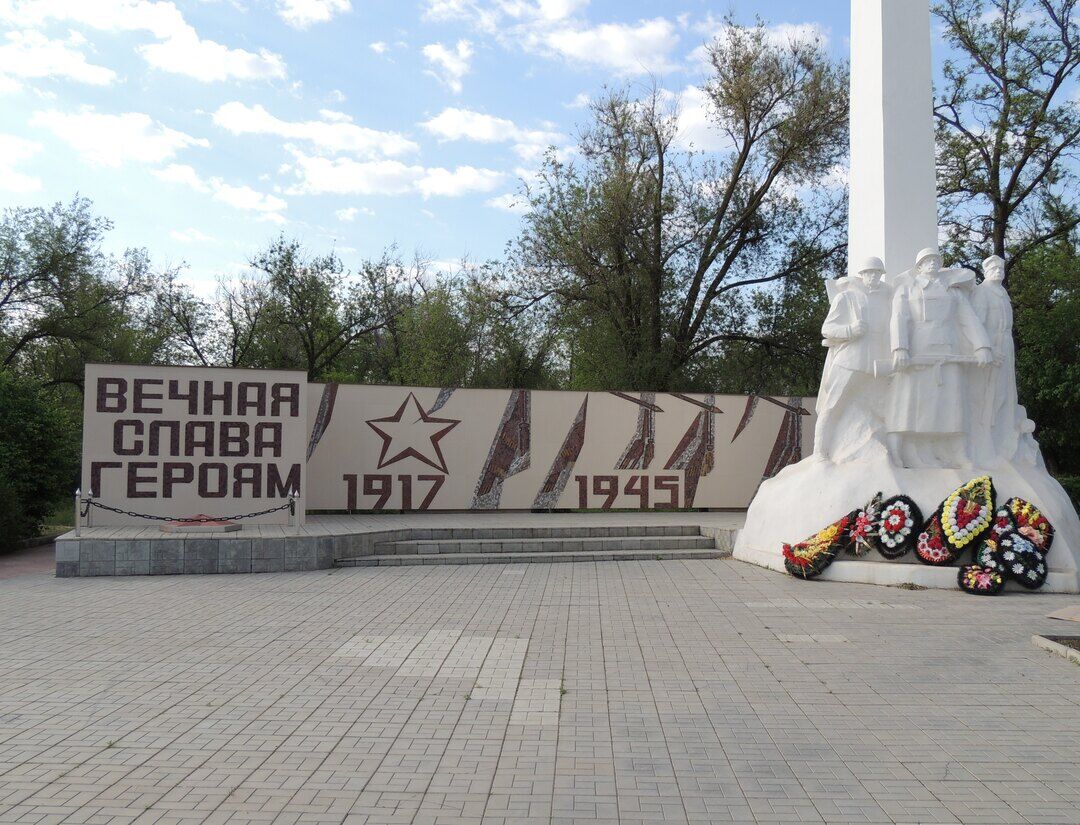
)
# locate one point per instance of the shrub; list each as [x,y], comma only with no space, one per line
[1072,487]
[39,457]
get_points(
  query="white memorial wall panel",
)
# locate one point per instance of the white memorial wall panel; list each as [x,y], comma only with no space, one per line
[181,441]
[189,441]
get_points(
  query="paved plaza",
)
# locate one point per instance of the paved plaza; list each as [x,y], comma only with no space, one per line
[636,692]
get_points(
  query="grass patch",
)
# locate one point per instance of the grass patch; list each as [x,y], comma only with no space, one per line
[61,517]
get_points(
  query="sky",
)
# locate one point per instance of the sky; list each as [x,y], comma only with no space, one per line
[202,128]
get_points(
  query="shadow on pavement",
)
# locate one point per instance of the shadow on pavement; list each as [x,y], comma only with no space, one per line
[26,561]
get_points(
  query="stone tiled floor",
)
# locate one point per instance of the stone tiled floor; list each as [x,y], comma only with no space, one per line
[40,559]
[698,691]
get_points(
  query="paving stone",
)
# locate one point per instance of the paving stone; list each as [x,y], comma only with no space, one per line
[696,691]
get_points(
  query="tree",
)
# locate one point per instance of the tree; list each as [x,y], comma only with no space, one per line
[1046,295]
[1008,126]
[315,311]
[61,296]
[790,359]
[458,332]
[39,456]
[223,332]
[639,243]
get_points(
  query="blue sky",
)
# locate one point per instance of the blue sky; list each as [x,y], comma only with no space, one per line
[202,128]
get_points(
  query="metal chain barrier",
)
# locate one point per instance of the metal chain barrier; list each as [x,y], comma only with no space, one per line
[289,505]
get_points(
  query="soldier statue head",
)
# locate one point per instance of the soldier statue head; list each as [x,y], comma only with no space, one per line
[994,269]
[871,271]
[928,262]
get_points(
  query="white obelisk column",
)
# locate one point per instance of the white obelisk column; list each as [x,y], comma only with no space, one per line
[893,178]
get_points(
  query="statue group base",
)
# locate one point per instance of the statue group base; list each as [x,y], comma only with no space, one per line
[805,497]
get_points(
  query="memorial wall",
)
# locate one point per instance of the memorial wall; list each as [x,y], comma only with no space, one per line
[183,441]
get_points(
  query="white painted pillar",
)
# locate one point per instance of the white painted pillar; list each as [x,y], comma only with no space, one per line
[893,178]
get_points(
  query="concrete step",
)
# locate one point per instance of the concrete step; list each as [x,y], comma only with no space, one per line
[580,531]
[535,558]
[575,544]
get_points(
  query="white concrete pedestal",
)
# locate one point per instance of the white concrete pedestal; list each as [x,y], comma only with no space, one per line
[808,496]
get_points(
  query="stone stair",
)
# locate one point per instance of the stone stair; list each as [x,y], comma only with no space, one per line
[509,545]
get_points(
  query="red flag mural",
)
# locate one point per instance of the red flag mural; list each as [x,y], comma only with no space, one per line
[695,453]
[638,454]
[509,452]
[563,465]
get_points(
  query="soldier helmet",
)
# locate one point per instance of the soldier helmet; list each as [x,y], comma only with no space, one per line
[929,252]
[872,265]
[992,261]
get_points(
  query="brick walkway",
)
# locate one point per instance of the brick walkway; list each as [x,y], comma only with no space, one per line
[696,691]
[40,559]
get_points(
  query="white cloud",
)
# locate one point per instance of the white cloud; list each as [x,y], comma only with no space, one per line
[696,127]
[13,151]
[448,66]
[346,176]
[624,48]
[242,197]
[510,202]
[30,54]
[208,61]
[336,136]
[808,33]
[496,14]
[465,124]
[459,181]
[190,235]
[181,173]
[778,34]
[348,215]
[379,47]
[335,116]
[580,101]
[555,28]
[302,13]
[178,49]
[111,140]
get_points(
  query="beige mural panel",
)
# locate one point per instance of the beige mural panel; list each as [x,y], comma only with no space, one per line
[183,441]
[412,448]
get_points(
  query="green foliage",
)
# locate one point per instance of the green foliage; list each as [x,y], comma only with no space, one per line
[1008,122]
[38,456]
[1072,487]
[782,353]
[64,302]
[1045,290]
[642,251]
[434,348]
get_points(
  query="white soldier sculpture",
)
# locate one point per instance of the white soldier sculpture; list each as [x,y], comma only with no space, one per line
[911,427]
[856,333]
[934,332]
[996,435]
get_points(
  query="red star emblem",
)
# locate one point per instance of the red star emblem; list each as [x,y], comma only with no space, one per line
[414,438]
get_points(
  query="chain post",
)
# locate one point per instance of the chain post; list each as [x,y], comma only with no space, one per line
[294,510]
[78,512]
